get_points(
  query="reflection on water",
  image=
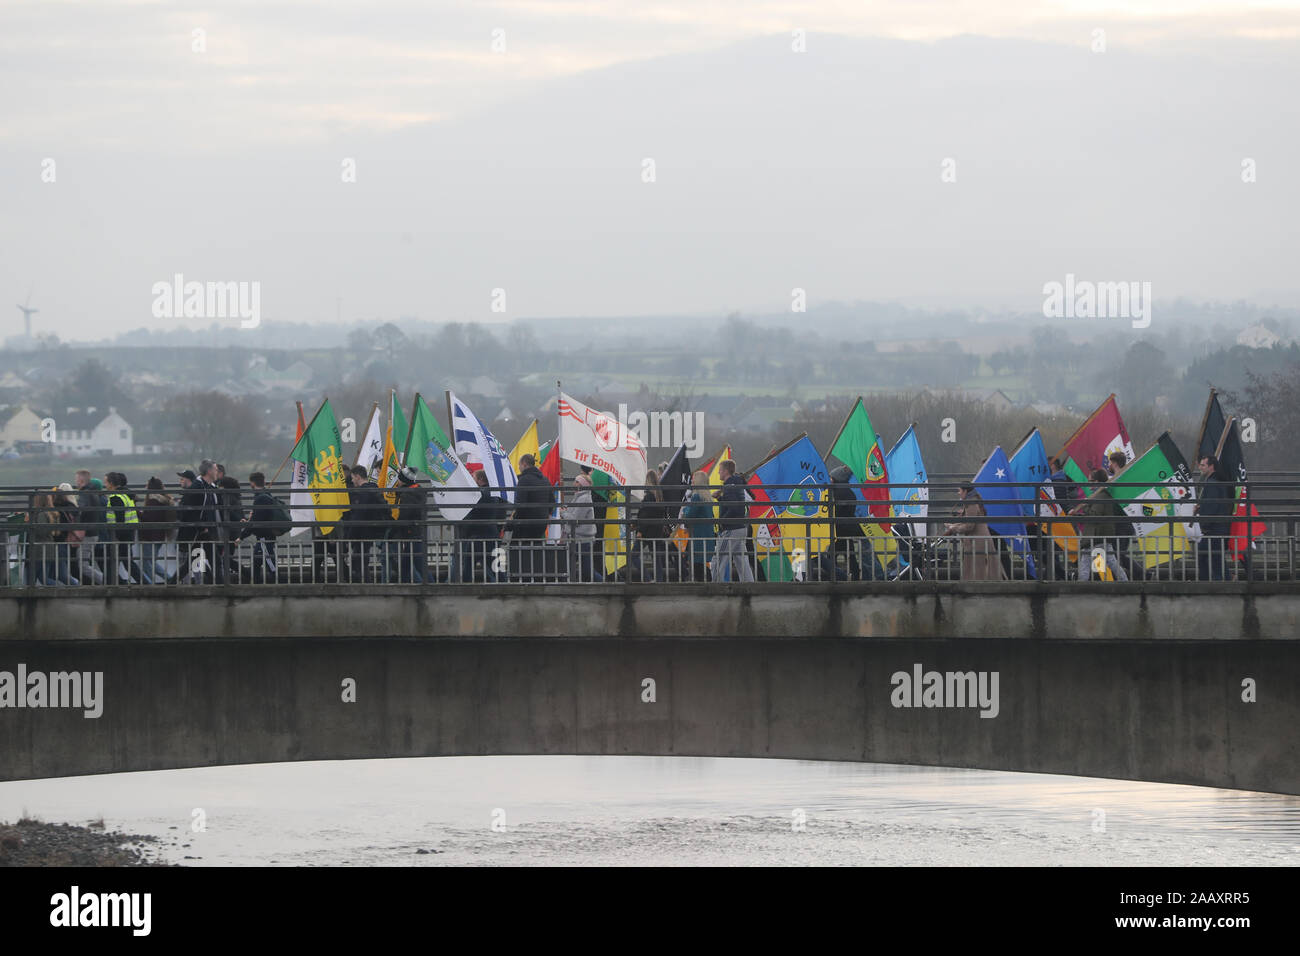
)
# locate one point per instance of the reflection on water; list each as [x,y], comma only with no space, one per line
[666,810]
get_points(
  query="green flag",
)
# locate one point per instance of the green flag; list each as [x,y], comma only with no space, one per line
[429,450]
[1160,479]
[319,451]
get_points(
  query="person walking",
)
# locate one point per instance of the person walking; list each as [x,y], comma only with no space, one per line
[67,538]
[478,535]
[534,498]
[409,530]
[1099,534]
[579,515]
[39,568]
[262,524]
[121,518]
[980,559]
[90,510]
[157,527]
[730,561]
[702,527]
[1214,506]
[849,536]
[654,528]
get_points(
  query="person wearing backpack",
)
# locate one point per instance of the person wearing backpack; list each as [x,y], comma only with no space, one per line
[267,520]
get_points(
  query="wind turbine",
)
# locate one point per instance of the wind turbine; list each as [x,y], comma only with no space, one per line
[28,313]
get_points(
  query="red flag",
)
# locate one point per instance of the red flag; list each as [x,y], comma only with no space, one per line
[1244,531]
[550,466]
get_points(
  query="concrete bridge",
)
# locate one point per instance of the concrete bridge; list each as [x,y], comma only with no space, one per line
[1195,683]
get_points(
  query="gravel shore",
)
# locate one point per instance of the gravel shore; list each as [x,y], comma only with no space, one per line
[33,843]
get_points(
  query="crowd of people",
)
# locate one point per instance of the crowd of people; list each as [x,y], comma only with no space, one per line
[95,531]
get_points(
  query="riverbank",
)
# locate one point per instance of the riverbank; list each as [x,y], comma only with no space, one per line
[33,843]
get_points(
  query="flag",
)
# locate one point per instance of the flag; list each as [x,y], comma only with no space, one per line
[394,438]
[318,450]
[1029,464]
[675,482]
[714,467]
[1161,487]
[1088,448]
[550,465]
[614,534]
[475,442]
[1232,463]
[600,440]
[300,508]
[371,450]
[428,449]
[1213,424]
[858,446]
[993,482]
[527,445]
[802,511]
[904,464]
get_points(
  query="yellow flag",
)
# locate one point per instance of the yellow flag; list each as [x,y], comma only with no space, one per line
[615,541]
[715,476]
[527,445]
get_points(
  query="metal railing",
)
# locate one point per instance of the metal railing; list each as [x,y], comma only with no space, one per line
[70,542]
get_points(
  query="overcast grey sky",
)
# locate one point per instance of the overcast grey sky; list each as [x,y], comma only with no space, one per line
[219,154]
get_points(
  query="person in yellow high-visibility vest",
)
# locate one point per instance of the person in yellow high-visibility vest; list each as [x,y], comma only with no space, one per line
[122,520]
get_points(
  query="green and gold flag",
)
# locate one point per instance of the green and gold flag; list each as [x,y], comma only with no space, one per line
[319,452]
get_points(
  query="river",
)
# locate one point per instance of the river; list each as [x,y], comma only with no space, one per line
[663,810]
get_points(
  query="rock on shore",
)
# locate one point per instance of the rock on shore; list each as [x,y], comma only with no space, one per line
[33,843]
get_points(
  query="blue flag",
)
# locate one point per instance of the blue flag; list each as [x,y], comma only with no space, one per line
[904,464]
[800,464]
[993,482]
[1029,464]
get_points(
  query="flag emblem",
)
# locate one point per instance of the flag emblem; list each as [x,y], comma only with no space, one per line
[327,466]
[441,464]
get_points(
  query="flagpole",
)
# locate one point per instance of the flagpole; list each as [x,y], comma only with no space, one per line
[1205,419]
[410,428]
[296,440]
[556,449]
[374,410]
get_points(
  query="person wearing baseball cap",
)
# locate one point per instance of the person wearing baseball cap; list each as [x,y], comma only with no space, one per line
[409,532]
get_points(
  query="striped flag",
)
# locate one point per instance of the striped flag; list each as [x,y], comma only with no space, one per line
[300,501]
[475,442]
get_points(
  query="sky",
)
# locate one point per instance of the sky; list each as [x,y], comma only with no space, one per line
[566,158]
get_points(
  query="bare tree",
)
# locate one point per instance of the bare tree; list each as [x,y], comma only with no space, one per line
[214,425]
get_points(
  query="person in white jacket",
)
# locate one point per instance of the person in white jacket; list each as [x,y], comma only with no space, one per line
[579,516]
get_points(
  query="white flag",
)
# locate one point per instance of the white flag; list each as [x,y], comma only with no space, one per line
[599,440]
[371,450]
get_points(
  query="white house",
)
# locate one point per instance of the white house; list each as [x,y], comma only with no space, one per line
[81,434]
[1258,336]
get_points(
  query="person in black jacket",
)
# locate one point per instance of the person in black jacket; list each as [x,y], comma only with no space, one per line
[534,498]
[478,534]
[848,526]
[365,522]
[1214,506]
[733,530]
[654,528]
[409,531]
[260,523]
